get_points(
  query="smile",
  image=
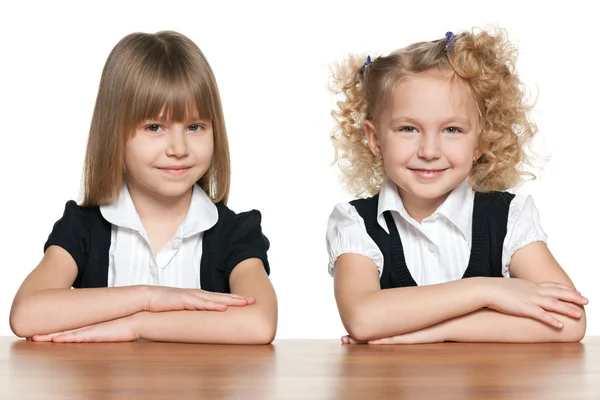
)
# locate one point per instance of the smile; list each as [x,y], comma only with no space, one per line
[175,170]
[428,173]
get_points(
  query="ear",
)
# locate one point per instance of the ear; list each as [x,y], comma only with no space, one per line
[480,149]
[372,138]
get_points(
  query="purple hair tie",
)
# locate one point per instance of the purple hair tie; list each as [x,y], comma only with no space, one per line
[367,63]
[450,39]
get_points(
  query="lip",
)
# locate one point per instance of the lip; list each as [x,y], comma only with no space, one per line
[175,170]
[428,174]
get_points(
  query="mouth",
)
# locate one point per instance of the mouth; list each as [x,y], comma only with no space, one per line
[175,170]
[428,173]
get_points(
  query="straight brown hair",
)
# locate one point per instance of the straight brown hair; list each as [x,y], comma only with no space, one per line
[147,76]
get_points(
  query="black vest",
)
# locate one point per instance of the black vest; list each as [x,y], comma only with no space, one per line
[490,216]
[219,256]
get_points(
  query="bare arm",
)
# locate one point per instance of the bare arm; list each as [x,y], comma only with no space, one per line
[534,263]
[542,291]
[253,324]
[368,312]
[45,302]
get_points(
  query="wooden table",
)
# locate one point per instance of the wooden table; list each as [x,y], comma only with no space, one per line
[292,369]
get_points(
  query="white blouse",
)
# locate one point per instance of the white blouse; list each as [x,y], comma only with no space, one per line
[177,264]
[438,249]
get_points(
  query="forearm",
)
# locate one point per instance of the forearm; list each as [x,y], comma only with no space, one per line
[491,326]
[390,312]
[246,325]
[54,310]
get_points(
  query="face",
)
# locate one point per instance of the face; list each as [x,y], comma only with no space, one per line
[427,136]
[165,159]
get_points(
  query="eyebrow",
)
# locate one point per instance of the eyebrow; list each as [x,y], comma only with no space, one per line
[447,121]
[162,120]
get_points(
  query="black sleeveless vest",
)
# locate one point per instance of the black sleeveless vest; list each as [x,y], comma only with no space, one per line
[85,231]
[490,216]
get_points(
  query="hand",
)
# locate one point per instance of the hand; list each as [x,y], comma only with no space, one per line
[430,334]
[162,298]
[536,300]
[347,339]
[117,330]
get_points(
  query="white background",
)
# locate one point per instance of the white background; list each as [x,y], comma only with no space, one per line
[272,65]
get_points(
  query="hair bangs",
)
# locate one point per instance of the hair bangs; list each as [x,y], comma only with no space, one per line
[168,91]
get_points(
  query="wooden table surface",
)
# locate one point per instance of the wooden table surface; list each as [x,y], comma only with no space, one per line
[298,369]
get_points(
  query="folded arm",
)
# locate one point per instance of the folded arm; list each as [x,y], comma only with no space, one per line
[534,263]
[368,312]
[462,310]
[252,324]
[46,303]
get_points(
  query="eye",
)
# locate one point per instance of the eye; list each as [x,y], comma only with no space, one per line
[154,128]
[408,129]
[196,127]
[453,130]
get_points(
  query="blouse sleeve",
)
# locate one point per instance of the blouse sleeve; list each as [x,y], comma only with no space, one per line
[69,233]
[245,241]
[523,228]
[346,233]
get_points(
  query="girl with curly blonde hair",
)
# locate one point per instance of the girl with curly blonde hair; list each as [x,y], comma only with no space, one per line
[433,135]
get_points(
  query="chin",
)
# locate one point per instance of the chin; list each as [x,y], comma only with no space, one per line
[171,189]
[426,190]
[429,193]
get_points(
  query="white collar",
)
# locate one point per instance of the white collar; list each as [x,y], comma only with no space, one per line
[201,216]
[457,208]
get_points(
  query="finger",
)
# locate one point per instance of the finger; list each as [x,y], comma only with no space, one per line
[350,340]
[46,337]
[545,317]
[388,340]
[564,295]
[224,295]
[560,307]
[206,305]
[225,299]
[558,285]
[68,338]
[42,338]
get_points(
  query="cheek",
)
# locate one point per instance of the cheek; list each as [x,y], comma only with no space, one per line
[398,150]
[202,147]
[459,152]
[140,152]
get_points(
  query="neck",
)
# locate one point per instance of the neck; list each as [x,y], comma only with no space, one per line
[153,208]
[419,208]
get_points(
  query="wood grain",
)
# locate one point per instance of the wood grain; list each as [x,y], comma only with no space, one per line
[297,369]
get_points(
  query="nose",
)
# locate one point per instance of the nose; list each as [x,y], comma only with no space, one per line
[429,147]
[178,146]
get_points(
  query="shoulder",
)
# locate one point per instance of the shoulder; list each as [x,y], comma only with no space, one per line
[523,211]
[354,209]
[237,237]
[343,211]
[230,221]
[74,230]
[79,219]
[77,225]
[238,229]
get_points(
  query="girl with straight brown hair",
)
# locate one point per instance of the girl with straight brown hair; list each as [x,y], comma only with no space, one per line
[152,251]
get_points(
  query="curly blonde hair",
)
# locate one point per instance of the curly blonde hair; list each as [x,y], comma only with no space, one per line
[484,60]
